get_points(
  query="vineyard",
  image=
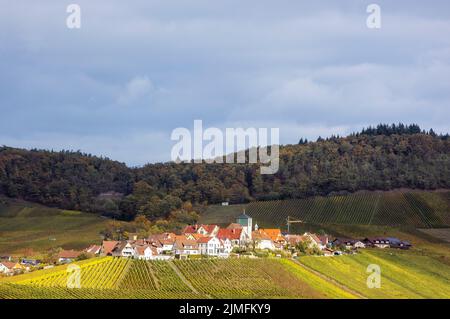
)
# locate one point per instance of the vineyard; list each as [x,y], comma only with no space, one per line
[124,278]
[417,209]
[403,275]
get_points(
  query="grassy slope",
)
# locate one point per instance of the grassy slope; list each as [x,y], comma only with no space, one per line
[403,274]
[27,228]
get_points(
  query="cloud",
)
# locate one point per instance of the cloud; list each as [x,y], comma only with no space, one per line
[310,68]
[136,89]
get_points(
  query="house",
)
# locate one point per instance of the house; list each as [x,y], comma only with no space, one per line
[9,267]
[377,242]
[67,256]
[227,246]
[30,262]
[324,239]
[236,236]
[185,247]
[93,249]
[262,241]
[194,236]
[293,240]
[397,243]
[206,230]
[166,245]
[145,252]
[313,239]
[108,246]
[275,236]
[210,246]
[348,243]
[124,249]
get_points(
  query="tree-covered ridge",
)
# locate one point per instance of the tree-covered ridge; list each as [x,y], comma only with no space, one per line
[369,161]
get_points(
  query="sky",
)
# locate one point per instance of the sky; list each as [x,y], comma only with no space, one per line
[135,71]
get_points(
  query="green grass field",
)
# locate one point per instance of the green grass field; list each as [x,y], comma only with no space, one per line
[417,209]
[27,228]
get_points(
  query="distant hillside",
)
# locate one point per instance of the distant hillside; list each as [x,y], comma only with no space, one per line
[29,228]
[397,208]
[381,158]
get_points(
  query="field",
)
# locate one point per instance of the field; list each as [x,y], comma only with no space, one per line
[417,209]
[27,228]
[122,278]
[403,275]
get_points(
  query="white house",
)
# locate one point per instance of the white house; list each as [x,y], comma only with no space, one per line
[166,245]
[185,247]
[262,241]
[227,246]
[145,252]
[210,246]
[124,249]
[8,267]
[236,235]
[4,269]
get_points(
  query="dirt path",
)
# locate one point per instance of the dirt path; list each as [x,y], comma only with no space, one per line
[184,279]
[330,280]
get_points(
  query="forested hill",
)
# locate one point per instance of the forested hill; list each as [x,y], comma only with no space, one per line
[379,158]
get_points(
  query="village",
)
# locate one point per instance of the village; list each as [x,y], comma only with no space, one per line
[240,239]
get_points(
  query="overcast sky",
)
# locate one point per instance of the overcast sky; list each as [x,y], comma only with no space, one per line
[136,70]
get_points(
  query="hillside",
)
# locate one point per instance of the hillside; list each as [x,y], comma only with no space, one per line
[125,278]
[27,228]
[405,275]
[417,209]
[385,158]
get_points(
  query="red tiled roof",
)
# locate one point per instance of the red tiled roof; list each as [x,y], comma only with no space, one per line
[209,228]
[258,234]
[273,233]
[69,254]
[93,249]
[232,234]
[8,264]
[190,229]
[108,246]
[141,250]
[234,226]
[204,240]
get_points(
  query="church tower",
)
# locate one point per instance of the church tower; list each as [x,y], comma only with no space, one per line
[246,222]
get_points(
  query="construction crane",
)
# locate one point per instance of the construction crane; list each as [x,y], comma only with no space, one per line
[290,221]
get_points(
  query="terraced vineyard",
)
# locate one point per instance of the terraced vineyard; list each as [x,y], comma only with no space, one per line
[417,209]
[403,275]
[101,278]
[121,278]
[249,278]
